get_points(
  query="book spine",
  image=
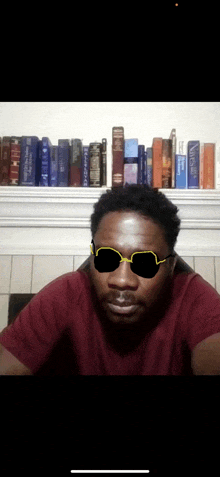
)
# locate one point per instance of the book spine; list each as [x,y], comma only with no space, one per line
[95,153]
[53,166]
[150,166]
[85,167]
[5,161]
[130,170]
[15,160]
[144,175]
[76,149]
[157,162]
[63,162]
[218,169]
[201,166]
[29,153]
[209,165]
[45,163]
[117,156]
[181,171]
[166,163]
[104,162]
[193,164]
[173,155]
[141,158]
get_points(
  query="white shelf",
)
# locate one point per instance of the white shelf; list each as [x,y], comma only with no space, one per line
[56,221]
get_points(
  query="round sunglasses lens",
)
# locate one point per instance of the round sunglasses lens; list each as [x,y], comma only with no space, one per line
[106,261]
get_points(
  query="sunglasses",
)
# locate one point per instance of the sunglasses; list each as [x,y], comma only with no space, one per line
[144,264]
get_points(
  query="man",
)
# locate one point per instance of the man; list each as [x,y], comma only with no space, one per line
[127,316]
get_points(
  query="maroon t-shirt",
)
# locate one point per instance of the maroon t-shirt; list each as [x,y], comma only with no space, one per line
[66,304]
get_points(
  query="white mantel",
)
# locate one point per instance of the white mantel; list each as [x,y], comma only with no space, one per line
[56,221]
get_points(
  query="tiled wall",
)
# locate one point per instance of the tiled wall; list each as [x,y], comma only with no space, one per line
[29,274]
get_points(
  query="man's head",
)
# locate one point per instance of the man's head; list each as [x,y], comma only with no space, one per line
[130,219]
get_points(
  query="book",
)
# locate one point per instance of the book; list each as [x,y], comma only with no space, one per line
[217,185]
[53,166]
[104,163]
[141,160]
[150,166]
[201,166]
[76,150]
[130,148]
[5,161]
[28,160]
[193,164]
[45,146]
[166,163]
[117,156]
[173,162]
[130,161]
[157,162]
[209,166]
[85,167]
[181,168]
[15,160]
[95,157]
[130,170]
[144,172]
[63,162]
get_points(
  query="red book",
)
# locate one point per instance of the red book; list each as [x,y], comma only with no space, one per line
[166,163]
[15,160]
[117,156]
[209,166]
[157,162]
[173,163]
[5,162]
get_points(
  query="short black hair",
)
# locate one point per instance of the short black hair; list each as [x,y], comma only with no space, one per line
[147,201]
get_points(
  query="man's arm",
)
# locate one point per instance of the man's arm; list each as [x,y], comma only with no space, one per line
[206,356]
[11,366]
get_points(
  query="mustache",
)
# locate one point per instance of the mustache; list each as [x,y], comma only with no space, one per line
[125,298]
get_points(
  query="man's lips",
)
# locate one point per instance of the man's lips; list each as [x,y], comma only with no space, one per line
[122,309]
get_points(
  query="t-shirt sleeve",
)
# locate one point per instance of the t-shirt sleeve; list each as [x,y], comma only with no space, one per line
[31,337]
[203,312]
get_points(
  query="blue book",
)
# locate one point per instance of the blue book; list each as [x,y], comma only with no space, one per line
[141,158]
[131,148]
[130,170]
[53,166]
[45,162]
[63,162]
[149,166]
[85,167]
[28,161]
[193,164]
[180,171]
[144,172]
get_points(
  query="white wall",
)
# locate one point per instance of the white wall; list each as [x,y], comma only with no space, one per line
[92,121]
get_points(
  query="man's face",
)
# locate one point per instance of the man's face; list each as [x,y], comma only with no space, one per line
[128,232]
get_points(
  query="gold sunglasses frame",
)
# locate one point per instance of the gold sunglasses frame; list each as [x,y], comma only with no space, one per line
[131,261]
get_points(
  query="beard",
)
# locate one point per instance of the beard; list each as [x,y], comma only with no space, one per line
[125,337]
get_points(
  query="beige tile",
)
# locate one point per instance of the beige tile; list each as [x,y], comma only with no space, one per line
[189,261]
[5,272]
[47,268]
[78,260]
[4,302]
[205,267]
[217,273]
[21,274]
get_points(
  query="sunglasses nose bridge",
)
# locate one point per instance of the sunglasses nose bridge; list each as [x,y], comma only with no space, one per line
[125,260]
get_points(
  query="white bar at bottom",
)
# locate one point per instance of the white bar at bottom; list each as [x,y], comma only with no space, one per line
[110,471]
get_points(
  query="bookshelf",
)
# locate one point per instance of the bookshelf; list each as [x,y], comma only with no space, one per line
[56,221]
